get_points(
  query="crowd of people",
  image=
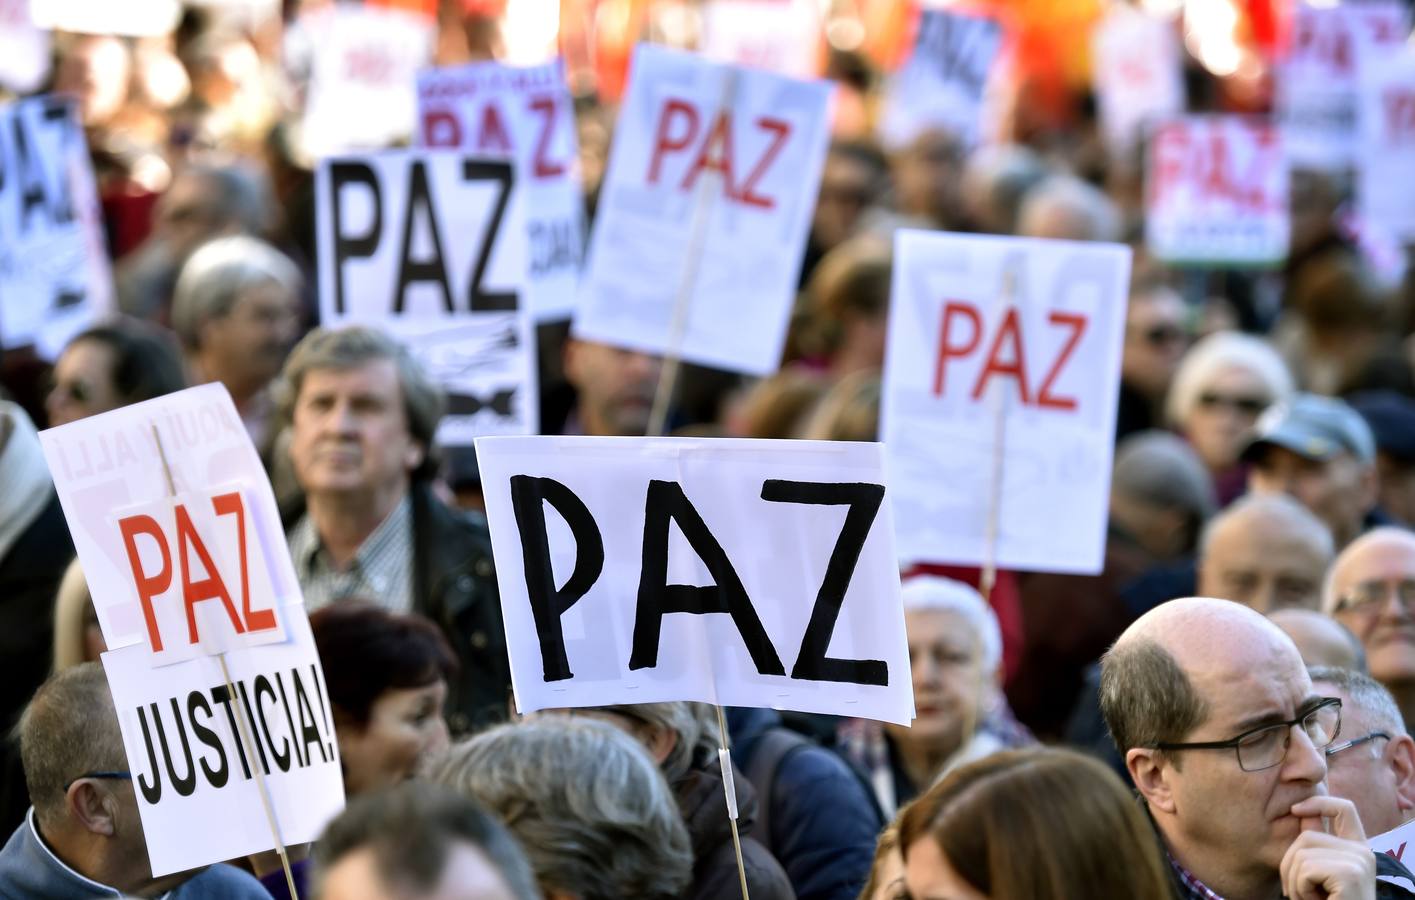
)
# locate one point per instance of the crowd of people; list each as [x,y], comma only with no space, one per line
[1221,713]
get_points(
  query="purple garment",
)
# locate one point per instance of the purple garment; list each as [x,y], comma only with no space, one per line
[276,884]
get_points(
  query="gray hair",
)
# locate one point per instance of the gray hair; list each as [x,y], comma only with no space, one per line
[218,273]
[411,830]
[931,592]
[1000,176]
[586,802]
[1273,508]
[238,195]
[70,728]
[1085,206]
[694,726]
[1366,694]
[1216,352]
[1160,469]
[351,347]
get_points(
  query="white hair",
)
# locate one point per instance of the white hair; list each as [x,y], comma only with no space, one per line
[215,276]
[1213,354]
[931,592]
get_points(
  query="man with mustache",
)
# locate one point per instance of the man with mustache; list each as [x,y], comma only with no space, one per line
[1371,590]
[237,312]
[614,389]
[1223,735]
[362,415]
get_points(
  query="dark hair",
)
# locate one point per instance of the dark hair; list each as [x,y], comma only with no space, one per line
[366,650]
[146,362]
[411,830]
[1146,697]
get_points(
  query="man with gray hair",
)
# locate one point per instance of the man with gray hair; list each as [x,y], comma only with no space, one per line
[237,312]
[362,416]
[83,837]
[1066,207]
[1266,552]
[1372,764]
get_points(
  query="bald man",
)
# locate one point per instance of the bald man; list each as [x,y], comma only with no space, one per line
[1322,640]
[1268,553]
[1223,735]
[1371,591]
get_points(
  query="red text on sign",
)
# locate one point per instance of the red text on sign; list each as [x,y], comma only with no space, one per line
[1399,108]
[1006,355]
[678,130]
[443,128]
[1205,164]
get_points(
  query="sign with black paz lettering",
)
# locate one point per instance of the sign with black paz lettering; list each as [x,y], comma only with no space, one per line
[737,572]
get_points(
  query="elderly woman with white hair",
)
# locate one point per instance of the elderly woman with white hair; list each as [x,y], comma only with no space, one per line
[960,714]
[1222,385]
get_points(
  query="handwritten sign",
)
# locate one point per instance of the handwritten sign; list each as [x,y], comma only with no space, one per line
[1385,186]
[431,246]
[710,189]
[1216,192]
[54,274]
[1137,69]
[942,83]
[746,573]
[1400,845]
[1003,361]
[782,36]
[507,113]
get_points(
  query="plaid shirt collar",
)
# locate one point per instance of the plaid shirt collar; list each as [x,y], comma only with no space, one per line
[1190,887]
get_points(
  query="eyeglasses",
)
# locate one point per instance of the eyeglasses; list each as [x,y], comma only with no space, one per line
[1249,406]
[1265,747]
[1162,335]
[122,776]
[1369,596]
[1334,749]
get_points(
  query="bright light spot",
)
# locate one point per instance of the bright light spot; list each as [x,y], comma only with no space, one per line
[530,30]
[845,33]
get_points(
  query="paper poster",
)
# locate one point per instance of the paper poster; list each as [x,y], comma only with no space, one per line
[55,278]
[1137,69]
[782,36]
[1001,375]
[1216,192]
[524,115]
[1399,844]
[1385,183]
[736,572]
[942,83]
[430,245]
[131,18]
[25,49]
[1317,86]
[709,193]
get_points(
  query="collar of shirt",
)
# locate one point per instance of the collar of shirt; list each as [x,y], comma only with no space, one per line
[64,867]
[1190,887]
[382,566]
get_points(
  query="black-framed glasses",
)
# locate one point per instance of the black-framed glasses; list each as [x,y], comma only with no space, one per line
[1265,747]
[1334,749]
[1248,406]
[123,776]
[1370,596]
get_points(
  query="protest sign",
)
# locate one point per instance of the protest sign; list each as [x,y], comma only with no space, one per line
[526,115]
[735,572]
[196,779]
[25,48]
[54,274]
[782,36]
[1317,86]
[998,411]
[131,18]
[175,526]
[358,62]
[1216,192]
[1385,187]
[1395,844]
[942,83]
[704,211]
[1137,70]
[430,246]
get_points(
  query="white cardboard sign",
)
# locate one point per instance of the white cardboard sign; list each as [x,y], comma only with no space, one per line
[782,36]
[179,570]
[737,572]
[524,114]
[942,83]
[1396,843]
[195,779]
[430,245]
[25,48]
[54,273]
[1137,72]
[1216,191]
[1385,187]
[711,182]
[1029,330]
[1317,86]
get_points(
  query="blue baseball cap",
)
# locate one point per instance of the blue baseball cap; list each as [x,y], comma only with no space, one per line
[1314,427]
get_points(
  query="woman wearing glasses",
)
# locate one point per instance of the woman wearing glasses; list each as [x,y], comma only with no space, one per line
[1223,384]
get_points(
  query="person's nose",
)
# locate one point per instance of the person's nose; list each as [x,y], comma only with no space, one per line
[1305,761]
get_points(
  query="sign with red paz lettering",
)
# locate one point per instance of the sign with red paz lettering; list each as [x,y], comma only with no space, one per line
[504,112]
[736,572]
[710,188]
[1216,191]
[1385,184]
[1002,368]
[183,568]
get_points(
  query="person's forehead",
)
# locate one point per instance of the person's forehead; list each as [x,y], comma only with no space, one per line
[378,375]
[1239,681]
[1377,561]
[938,626]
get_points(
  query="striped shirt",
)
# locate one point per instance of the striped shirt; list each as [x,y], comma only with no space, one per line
[381,572]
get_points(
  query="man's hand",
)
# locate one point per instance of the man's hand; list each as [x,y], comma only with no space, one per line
[1328,863]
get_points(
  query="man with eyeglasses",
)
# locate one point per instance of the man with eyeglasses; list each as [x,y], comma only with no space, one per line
[1371,590]
[83,837]
[1223,735]
[1372,762]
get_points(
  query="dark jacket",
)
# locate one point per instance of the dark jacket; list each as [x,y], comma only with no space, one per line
[703,803]
[821,821]
[454,585]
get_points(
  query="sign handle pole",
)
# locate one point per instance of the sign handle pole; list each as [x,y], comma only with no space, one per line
[724,757]
[242,726]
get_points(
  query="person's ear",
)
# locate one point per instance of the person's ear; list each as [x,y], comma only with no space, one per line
[661,742]
[1150,772]
[1402,761]
[414,456]
[94,808]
